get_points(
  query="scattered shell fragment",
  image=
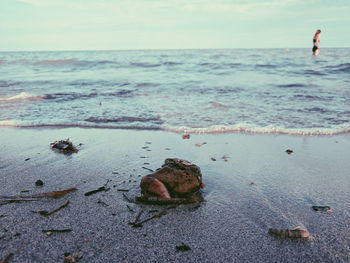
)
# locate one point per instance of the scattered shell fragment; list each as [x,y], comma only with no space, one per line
[324,208]
[289,151]
[297,232]
[72,258]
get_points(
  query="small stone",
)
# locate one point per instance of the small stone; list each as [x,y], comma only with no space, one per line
[39,183]
[183,248]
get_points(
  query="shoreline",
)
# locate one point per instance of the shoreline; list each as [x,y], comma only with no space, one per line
[230,226]
[343,129]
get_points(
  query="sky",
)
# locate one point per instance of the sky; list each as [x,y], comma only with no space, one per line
[171,24]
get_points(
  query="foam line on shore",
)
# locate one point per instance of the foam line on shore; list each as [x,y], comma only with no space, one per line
[218,129]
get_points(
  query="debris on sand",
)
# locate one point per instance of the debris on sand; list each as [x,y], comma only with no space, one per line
[182,248]
[123,190]
[185,136]
[100,189]
[324,208]
[127,198]
[148,169]
[39,183]
[136,223]
[297,232]
[54,194]
[64,146]
[175,182]
[102,203]
[6,258]
[225,158]
[47,213]
[289,151]
[130,209]
[49,232]
[213,159]
[200,144]
[72,258]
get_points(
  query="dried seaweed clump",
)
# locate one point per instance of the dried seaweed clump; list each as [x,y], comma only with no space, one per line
[64,146]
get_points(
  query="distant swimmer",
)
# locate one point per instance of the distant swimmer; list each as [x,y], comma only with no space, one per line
[316,41]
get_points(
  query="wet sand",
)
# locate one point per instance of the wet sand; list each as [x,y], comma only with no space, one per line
[252,185]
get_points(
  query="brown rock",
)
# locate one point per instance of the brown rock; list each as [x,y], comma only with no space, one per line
[176,178]
[297,232]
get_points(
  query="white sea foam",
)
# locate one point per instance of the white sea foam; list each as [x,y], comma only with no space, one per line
[246,128]
[21,96]
[216,129]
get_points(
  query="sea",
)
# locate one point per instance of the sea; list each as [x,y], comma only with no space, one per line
[275,91]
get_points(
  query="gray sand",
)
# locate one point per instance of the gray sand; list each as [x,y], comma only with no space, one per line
[231,226]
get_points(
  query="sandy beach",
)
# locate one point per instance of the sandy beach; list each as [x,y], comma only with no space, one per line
[252,185]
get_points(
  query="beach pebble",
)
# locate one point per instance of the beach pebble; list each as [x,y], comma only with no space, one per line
[183,248]
[39,183]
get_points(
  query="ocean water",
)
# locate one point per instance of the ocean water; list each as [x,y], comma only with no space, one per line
[286,91]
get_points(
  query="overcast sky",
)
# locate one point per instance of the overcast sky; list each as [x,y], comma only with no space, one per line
[171,24]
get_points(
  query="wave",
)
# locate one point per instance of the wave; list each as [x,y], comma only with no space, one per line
[145,65]
[292,85]
[80,62]
[313,73]
[340,68]
[6,84]
[21,96]
[217,129]
[125,119]
[69,96]
[266,66]
[59,62]
[56,62]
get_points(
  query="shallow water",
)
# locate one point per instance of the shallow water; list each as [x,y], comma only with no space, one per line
[209,91]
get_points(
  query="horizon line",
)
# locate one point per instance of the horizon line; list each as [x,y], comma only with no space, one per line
[157,49]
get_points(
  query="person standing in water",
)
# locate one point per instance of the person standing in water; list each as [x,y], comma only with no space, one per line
[316,41]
